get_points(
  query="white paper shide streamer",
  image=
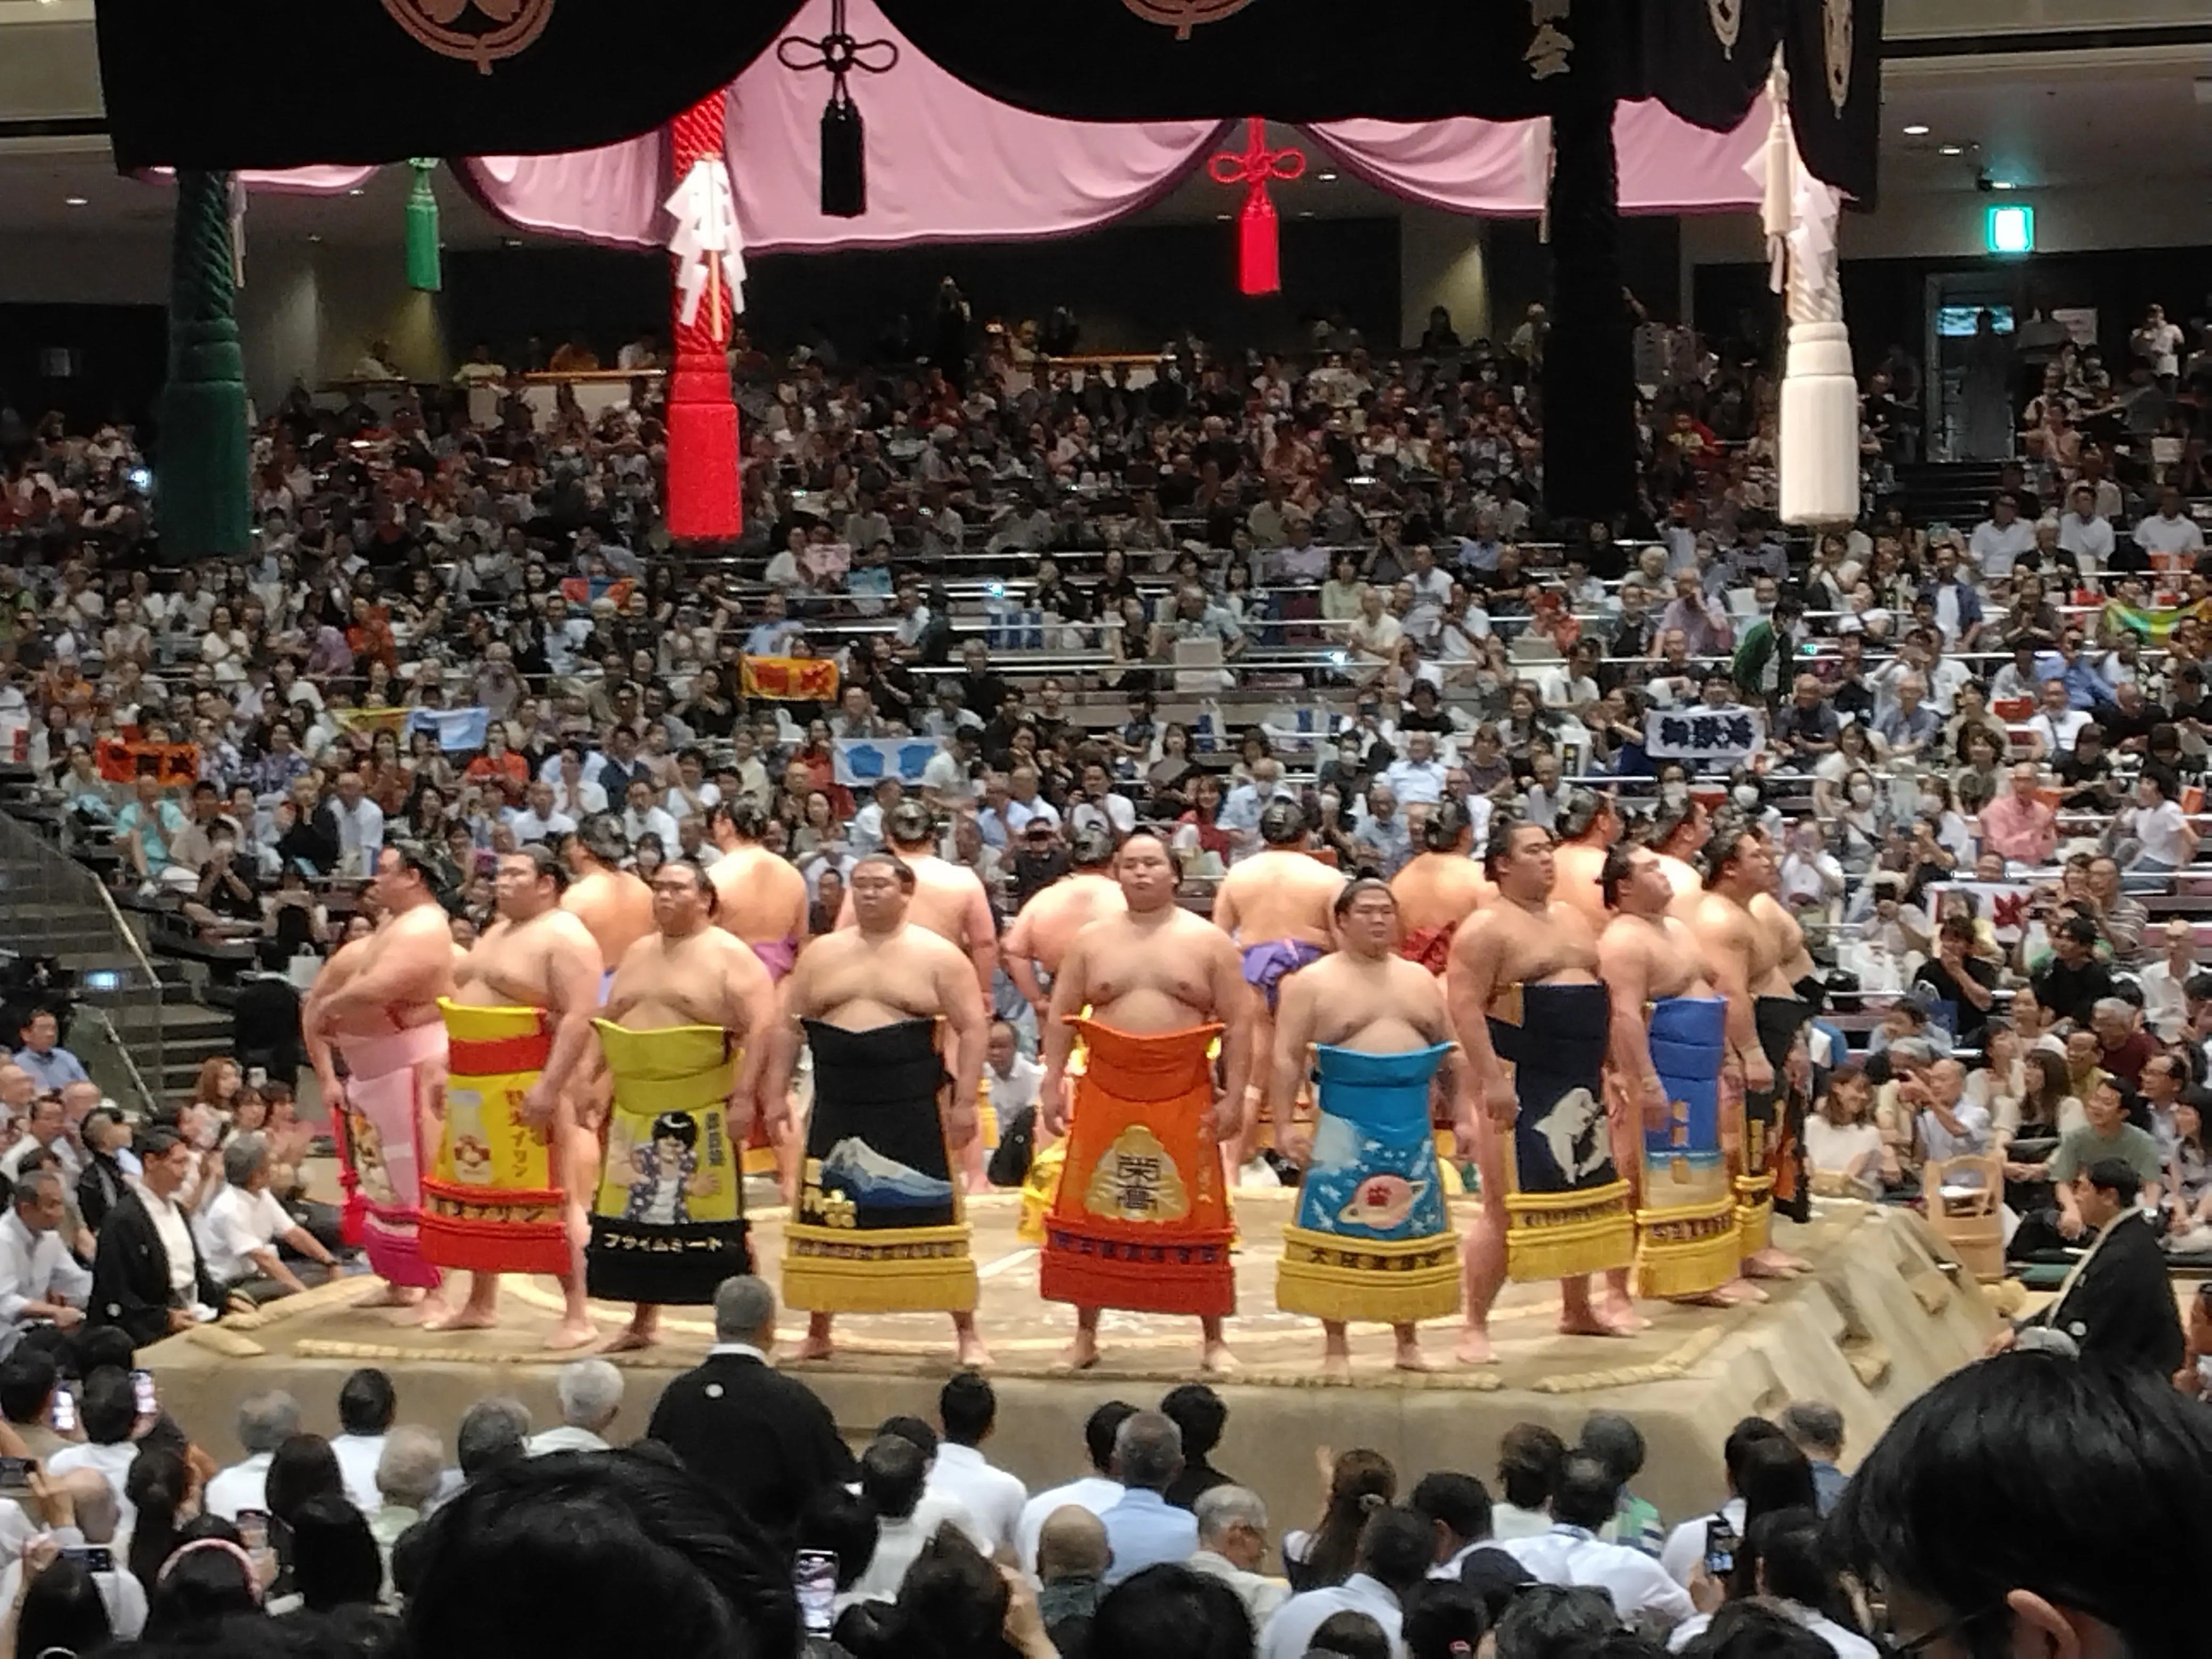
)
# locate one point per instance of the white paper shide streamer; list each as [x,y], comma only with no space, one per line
[1819,457]
[705,236]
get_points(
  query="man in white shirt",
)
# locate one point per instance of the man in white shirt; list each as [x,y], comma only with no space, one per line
[591,1395]
[2054,727]
[574,796]
[367,1405]
[1950,1126]
[94,1518]
[1394,1554]
[46,1130]
[40,1282]
[361,827]
[541,820]
[2170,530]
[969,1409]
[1096,1491]
[240,1228]
[1418,779]
[265,1421]
[2165,1008]
[1458,1510]
[2000,539]
[643,817]
[1570,1554]
[1012,1076]
[2085,533]
[1023,803]
[1102,805]
[1685,1548]
[1232,1547]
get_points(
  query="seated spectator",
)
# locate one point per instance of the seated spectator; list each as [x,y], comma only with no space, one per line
[493,1433]
[265,1422]
[1232,1547]
[51,1067]
[27,1379]
[591,1395]
[969,1409]
[107,1412]
[149,1277]
[334,1559]
[240,1228]
[1393,1559]
[1685,1547]
[1549,1620]
[1458,1507]
[1529,1459]
[1096,1491]
[409,1471]
[366,1404]
[41,1283]
[1200,1414]
[2115,1306]
[1143,1528]
[1356,1484]
[1585,1498]
[892,1471]
[2112,1466]
[1171,1613]
[1072,1561]
[1619,1444]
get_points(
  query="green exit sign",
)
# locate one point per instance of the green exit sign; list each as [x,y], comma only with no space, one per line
[2009,228]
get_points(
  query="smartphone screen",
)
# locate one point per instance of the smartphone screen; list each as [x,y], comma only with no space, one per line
[1720,1548]
[141,1393]
[94,1558]
[65,1411]
[253,1531]
[15,1472]
[814,1582]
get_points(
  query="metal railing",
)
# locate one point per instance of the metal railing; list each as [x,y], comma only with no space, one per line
[53,906]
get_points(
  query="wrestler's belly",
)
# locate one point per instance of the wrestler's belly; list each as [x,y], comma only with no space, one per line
[1387,1035]
[1141,1012]
[485,993]
[367,1024]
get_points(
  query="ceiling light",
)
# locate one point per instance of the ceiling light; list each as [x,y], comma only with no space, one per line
[315,236]
[358,191]
[1326,178]
[1950,149]
[1306,213]
[2003,184]
[74,200]
[1222,217]
[511,242]
[1918,130]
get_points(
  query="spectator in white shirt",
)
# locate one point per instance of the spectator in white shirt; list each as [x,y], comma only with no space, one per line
[1949,1125]
[2158,343]
[1023,803]
[1232,1547]
[1758,1459]
[1418,779]
[1570,1554]
[969,1409]
[367,1405]
[2166,1006]
[2000,539]
[1396,1550]
[541,820]
[40,1282]
[2165,839]
[643,817]
[1782,1564]
[46,1130]
[2084,533]
[1012,1076]
[1097,1491]
[241,1226]
[94,1516]
[361,827]
[2051,731]
[265,1421]
[1458,1507]
[591,1395]
[572,795]
[1100,804]
[2170,530]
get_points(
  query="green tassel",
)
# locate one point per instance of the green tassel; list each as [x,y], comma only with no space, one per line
[203,497]
[423,272]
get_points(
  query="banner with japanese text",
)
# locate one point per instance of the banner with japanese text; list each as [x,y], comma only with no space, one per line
[1700,733]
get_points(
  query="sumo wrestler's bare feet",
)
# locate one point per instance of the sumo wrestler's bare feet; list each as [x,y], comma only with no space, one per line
[817,1344]
[968,1352]
[1409,1357]
[1771,1263]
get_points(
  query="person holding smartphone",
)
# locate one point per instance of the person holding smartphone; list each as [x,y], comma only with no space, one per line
[40,1282]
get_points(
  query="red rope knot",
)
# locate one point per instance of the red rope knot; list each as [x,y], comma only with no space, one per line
[1258,257]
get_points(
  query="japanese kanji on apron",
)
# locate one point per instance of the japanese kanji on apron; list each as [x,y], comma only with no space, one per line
[1686,1238]
[777,956]
[879,1227]
[1371,1239]
[1773,1174]
[492,1202]
[382,1145]
[668,1219]
[1567,1209]
[1141,1218]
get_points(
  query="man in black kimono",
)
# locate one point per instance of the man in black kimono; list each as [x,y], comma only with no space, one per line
[147,1277]
[2117,1305]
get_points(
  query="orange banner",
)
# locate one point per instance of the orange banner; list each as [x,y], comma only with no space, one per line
[789,679]
[176,764]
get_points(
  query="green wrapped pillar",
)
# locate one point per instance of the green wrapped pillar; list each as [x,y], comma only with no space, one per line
[203,498]
[422,271]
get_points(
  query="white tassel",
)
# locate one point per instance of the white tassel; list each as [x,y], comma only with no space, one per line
[706,240]
[237,231]
[1819,438]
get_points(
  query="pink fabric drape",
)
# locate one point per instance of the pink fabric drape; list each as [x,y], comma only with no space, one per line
[1497,167]
[610,196]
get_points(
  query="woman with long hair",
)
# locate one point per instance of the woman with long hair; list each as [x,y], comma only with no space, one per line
[165,1493]
[1842,1143]
[206,1578]
[1357,1484]
[218,1085]
[2189,1179]
[60,1612]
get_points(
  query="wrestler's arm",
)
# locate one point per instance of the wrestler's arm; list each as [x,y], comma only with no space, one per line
[1232,1006]
[781,1038]
[1018,954]
[799,925]
[749,1009]
[981,928]
[314,1018]
[572,983]
[1069,996]
[964,1012]
[1470,982]
[1624,964]
[1225,908]
[411,966]
[1294,1026]
[1731,963]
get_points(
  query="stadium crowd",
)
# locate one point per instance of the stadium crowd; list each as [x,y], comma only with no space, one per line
[735,1519]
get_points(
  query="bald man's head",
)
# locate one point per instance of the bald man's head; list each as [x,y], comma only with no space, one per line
[1072,1545]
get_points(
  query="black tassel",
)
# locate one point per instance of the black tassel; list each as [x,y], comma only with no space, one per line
[844,159]
[1589,390]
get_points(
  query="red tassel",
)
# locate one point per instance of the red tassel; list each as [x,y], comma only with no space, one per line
[1259,252]
[703,496]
